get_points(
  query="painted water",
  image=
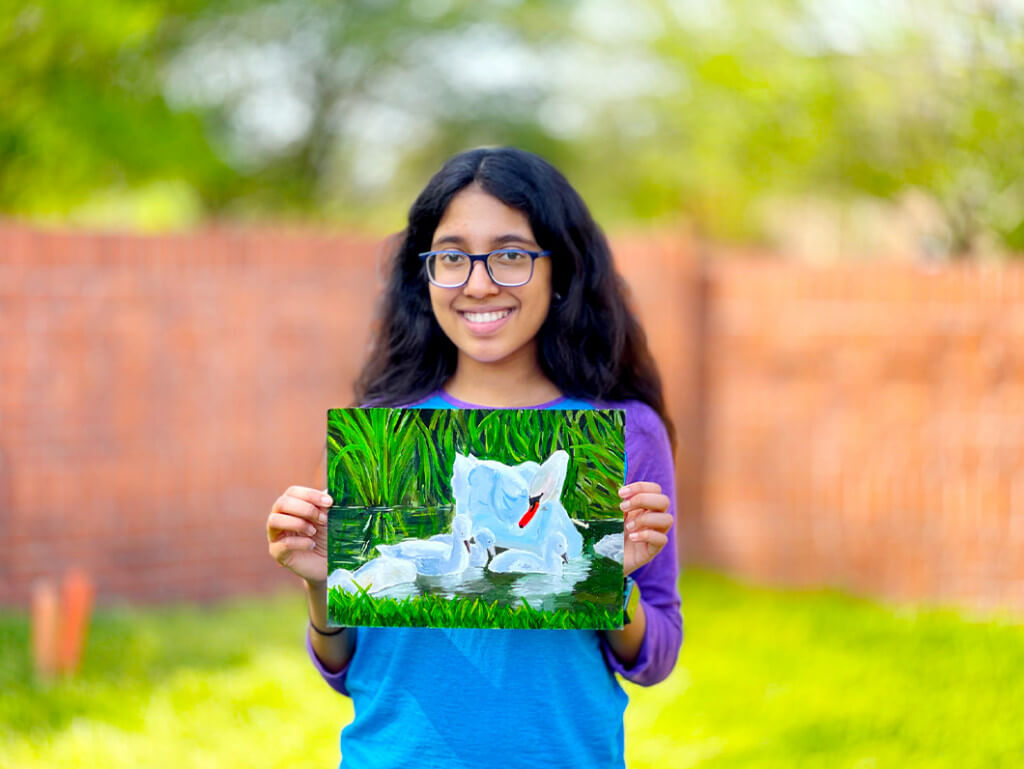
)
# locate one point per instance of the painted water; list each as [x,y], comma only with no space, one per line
[588,578]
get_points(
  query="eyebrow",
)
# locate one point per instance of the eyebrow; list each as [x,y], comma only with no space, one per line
[509,237]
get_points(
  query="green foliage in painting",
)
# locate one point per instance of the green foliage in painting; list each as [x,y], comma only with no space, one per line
[404,457]
[436,611]
[376,455]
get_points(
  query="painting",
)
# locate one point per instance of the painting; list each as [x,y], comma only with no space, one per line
[497,518]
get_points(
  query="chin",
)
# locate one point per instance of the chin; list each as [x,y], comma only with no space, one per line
[490,351]
[486,355]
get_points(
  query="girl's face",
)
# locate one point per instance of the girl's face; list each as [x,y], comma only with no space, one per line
[485,321]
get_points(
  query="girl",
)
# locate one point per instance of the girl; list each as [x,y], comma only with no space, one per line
[502,295]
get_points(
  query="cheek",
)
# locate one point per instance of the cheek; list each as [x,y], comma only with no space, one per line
[438,302]
[541,284]
[538,302]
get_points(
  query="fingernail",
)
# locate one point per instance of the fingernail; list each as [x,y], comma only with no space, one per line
[622,491]
[325,499]
[631,525]
[311,531]
[624,504]
[634,536]
[312,544]
[323,517]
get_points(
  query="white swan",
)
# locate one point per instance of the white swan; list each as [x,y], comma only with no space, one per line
[555,548]
[455,560]
[610,546]
[437,546]
[483,546]
[520,503]
[547,483]
[373,576]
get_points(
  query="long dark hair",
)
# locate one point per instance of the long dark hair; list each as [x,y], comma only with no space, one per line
[590,345]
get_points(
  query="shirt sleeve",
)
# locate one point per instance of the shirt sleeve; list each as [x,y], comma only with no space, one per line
[649,458]
[335,680]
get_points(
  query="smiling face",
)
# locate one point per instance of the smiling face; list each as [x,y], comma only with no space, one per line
[487,322]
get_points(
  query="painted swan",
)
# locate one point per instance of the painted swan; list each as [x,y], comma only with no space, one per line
[522,561]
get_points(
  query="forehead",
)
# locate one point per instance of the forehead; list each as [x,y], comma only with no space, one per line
[477,218]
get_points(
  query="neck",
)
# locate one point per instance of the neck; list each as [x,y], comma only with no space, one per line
[515,382]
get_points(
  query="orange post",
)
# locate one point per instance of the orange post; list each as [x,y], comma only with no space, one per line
[44,628]
[76,600]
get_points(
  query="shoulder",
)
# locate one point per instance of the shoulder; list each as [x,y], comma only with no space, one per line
[648,449]
[642,421]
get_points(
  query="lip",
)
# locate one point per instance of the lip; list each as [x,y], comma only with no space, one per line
[488,326]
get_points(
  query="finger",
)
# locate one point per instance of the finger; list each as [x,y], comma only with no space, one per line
[313,496]
[656,521]
[650,536]
[301,508]
[638,487]
[283,548]
[646,499]
[279,523]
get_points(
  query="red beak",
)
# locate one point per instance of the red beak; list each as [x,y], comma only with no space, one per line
[529,513]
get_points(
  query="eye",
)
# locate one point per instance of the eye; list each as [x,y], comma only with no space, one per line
[451,258]
[511,257]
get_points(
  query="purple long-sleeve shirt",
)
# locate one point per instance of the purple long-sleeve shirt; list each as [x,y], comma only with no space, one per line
[537,695]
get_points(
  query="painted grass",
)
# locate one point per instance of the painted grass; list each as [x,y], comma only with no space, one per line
[767,679]
[435,611]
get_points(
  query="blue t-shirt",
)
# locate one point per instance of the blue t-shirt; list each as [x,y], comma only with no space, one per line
[426,697]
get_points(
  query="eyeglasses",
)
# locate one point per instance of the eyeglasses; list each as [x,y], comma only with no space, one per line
[507,267]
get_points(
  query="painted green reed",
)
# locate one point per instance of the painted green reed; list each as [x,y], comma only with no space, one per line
[362,609]
[390,457]
[377,458]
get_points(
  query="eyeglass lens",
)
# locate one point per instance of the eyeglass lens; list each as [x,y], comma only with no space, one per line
[506,268]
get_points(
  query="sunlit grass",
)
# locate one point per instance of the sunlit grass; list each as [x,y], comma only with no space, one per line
[769,678]
[766,679]
[174,687]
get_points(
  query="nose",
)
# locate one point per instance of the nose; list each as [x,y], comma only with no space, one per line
[479,283]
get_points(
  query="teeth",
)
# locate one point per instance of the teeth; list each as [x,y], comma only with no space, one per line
[486,317]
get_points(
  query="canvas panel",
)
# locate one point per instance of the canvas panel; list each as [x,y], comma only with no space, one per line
[497,518]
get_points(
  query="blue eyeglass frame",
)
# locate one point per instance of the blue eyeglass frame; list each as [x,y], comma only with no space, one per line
[474,258]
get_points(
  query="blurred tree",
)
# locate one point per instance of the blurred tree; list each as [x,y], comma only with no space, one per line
[835,100]
[320,104]
[655,109]
[83,106]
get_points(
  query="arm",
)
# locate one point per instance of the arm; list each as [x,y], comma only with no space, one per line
[333,652]
[297,540]
[330,655]
[645,651]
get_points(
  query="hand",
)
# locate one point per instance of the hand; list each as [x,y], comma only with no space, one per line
[297,532]
[646,523]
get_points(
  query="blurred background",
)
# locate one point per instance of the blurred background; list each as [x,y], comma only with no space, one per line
[818,207]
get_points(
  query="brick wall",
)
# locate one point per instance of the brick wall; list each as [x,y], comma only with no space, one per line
[854,426]
[156,395]
[865,428]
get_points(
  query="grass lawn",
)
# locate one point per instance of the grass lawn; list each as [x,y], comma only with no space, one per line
[767,679]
